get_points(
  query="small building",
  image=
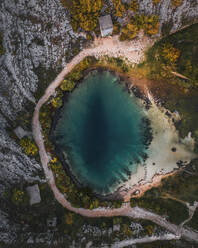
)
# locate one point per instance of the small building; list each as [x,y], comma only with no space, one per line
[106,25]
[34,194]
[20,132]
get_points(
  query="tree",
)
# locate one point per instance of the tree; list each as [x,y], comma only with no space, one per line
[170,53]
[128,32]
[57,102]
[85,14]
[150,24]
[119,8]
[133,5]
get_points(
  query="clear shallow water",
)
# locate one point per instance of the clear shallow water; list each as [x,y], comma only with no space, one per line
[101,130]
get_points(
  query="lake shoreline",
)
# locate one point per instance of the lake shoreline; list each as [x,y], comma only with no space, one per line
[120,193]
[126,84]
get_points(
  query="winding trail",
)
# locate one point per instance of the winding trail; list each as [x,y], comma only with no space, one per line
[133,51]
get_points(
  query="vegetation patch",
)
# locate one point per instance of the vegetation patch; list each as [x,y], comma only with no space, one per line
[156,1]
[84,13]
[2,50]
[176,3]
[175,53]
[150,25]
[29,146]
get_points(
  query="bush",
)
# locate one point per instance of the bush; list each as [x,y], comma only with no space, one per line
[29,146]
[67,85]
[57,102]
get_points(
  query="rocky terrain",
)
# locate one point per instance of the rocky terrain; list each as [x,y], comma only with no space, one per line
[38,40]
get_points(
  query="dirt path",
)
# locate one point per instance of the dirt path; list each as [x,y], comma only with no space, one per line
[133,51]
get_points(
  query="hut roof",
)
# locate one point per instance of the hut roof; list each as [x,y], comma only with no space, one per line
[105,22]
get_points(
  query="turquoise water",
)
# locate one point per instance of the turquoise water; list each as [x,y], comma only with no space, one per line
[101,130]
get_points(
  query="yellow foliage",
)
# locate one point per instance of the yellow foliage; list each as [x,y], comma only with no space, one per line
[29,146]
[149,229]
[67,85]
[18,197]
[119,8]
[128,32]
[69,218]
[66,3]
[54,160]
[86,13]
[57,102]
[150,24]
[133,5]
[116,28]
[170,53]
[156,1]
[176,3]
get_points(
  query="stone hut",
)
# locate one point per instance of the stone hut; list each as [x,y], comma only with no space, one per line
[106,25]
[20,132]
[34,194]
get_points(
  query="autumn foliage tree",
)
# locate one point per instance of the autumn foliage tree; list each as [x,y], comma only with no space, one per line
[133,5]
[150,24]
[156,1]
[85,14]
[29,146]
[170,53]
[128,32]
[119,8]
[176,3]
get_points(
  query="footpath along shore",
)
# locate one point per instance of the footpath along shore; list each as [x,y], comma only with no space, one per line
[133,51]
